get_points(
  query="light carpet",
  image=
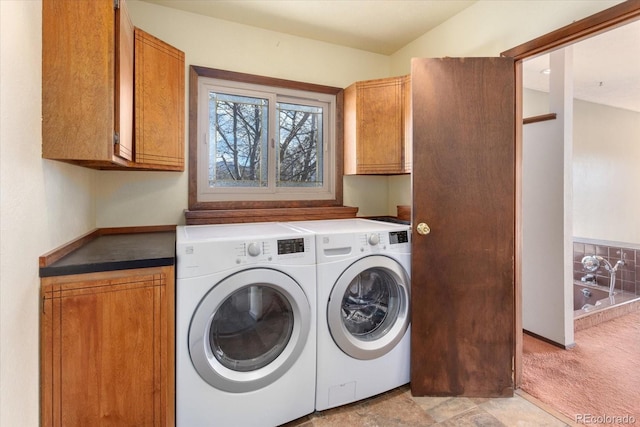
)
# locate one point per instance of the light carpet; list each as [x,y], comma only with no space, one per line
[598,381]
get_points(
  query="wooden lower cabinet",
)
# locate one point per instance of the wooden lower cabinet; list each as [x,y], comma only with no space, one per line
[107,349]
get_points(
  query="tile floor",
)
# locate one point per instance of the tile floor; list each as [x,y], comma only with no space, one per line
[398,408]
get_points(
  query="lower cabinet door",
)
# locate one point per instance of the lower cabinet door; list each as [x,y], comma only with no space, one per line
[107,349]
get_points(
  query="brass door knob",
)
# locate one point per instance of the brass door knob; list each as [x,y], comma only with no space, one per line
[423,229]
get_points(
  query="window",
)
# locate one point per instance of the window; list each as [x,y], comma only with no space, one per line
[267,141]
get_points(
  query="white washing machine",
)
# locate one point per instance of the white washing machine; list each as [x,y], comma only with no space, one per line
[245,325]
[363,277]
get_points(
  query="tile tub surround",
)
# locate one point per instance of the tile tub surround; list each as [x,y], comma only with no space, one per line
[590,319]
[627,276]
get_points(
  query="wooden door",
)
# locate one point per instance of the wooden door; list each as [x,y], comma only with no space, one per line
[463,185]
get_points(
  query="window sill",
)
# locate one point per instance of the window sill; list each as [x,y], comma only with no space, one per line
[226,216]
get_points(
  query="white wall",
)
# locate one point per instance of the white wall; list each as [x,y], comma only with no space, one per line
[484,29]
[534,103]
[606,155]
[547,232]
[603,201]
[606,171]
[368,192]
[399,192]
[542,251]
[43,205]
[490,27]
[126,198]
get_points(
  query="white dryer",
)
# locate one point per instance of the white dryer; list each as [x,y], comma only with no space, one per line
[363,277]
[245,325]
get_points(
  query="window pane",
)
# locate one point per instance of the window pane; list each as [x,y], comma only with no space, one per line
[238,141]
[299,157]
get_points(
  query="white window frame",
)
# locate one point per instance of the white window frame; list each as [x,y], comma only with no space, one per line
[327,191]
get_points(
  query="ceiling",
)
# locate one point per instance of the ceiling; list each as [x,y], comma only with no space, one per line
[606,67]
[380,26]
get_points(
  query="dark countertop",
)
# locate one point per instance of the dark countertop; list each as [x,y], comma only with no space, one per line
[117,252]
[391,219]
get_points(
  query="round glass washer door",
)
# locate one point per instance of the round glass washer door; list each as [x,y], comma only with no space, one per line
[368,310]
[249,329]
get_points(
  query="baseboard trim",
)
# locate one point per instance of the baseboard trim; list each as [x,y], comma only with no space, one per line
[547,340]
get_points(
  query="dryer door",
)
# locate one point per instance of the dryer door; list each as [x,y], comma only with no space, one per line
[368,310]
[249,329]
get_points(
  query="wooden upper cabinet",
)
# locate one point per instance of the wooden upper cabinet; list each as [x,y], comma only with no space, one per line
[78,80]
[90,91]
[377,127]
[159,115]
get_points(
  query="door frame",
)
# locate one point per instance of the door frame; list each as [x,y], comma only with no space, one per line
[600,22]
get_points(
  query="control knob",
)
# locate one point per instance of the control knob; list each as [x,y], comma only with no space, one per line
[253,249]
[373,239]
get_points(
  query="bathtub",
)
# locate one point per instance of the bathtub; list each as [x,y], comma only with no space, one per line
[588,299]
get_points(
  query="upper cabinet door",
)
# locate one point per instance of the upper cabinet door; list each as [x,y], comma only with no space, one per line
[124,84]
[78,82]
[463,250]
[159,115]
[375,124]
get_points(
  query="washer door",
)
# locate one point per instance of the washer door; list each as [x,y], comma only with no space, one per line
[249,329]
[368,309]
